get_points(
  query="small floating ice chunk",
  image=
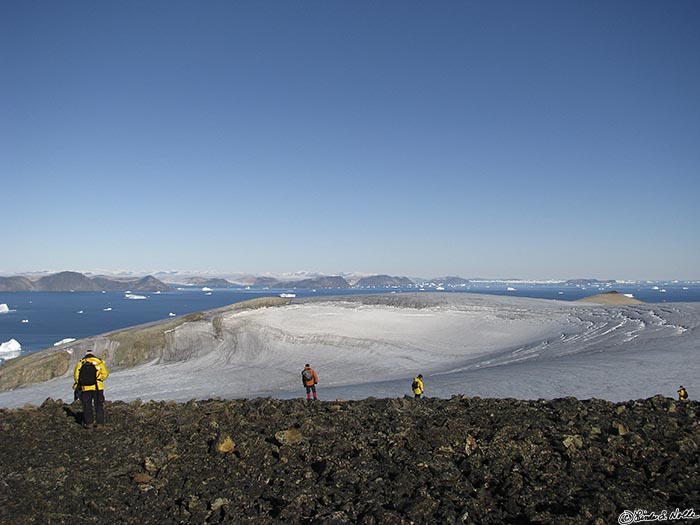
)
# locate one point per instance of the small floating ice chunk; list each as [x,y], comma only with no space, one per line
[208,293]
[134,296]
[64,341]
[654,287]
[206,289]
[25,320]
[171,314]
[10,349]
[108,309]
[79,312]
[288,295]
[510,289]
[663,290]
[4,308]
[630,295]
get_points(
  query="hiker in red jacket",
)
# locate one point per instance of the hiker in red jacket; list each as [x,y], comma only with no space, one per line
[309,379]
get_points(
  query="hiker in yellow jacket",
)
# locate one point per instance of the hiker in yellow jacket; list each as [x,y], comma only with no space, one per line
[89,376]
[682,394]
[417,386]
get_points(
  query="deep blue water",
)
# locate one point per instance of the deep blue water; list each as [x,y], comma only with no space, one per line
[53,316]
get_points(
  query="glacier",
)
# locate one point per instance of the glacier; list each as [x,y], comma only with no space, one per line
[362,346]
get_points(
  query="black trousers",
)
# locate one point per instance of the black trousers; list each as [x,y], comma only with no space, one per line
[90,398]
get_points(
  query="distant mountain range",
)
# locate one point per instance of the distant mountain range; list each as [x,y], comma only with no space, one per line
[74,281]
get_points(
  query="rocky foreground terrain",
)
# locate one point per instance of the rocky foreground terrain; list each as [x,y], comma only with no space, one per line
[376,461]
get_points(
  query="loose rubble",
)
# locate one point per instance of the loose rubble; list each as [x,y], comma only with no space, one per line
[375,461]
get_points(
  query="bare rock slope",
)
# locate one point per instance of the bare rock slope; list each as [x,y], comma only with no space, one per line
[376,461]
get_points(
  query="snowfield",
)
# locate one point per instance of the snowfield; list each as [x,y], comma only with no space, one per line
[478,345]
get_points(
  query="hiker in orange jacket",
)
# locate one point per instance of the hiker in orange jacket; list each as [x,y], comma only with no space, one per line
[309,379]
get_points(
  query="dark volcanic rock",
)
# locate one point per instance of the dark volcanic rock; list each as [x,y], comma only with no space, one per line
[372,462]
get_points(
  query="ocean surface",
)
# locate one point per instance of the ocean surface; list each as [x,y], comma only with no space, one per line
[37,320]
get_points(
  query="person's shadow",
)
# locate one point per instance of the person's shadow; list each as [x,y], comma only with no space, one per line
[77,416]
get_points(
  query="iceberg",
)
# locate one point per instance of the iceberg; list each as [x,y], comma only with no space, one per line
[171,314]
[206,289]
[109,309]
[4,308]
[64,341]
[25,320]
[10,349]
[288,295]
[134,296]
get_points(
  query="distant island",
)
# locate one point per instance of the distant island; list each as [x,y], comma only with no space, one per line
[382,281]
[74,281]
[333,281]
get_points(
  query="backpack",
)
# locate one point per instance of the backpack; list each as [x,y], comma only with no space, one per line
[306,375]
[415,385]
[87,375]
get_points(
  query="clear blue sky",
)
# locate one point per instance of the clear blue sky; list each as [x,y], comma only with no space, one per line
[496,139]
